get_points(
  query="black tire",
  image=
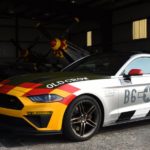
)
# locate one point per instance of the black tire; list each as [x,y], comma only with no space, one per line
[82,119]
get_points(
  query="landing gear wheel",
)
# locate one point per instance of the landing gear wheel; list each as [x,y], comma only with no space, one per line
[82,119]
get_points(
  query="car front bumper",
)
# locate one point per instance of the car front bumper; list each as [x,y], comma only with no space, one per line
[33,117]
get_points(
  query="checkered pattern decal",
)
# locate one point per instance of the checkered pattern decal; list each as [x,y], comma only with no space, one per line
[30,89]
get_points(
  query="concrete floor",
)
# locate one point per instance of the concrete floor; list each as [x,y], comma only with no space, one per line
[133,136]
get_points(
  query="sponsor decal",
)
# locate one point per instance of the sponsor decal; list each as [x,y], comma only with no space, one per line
[40,113]
[59,83]
[146,95]
[133,95]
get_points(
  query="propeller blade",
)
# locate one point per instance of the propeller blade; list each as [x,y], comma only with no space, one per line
[69,58]
[77,49]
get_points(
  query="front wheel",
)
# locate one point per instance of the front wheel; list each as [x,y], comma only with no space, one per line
[82,118]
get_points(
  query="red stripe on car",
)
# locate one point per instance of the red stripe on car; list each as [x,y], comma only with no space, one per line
[6,88]
[68,99]
[38,91]
[69,88]
[30,85]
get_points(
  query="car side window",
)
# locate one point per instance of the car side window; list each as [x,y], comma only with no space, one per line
[142,63]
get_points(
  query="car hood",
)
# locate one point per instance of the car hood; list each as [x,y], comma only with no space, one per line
[41,83]
[47,78]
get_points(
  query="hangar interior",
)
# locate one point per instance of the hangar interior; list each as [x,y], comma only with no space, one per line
[92,25]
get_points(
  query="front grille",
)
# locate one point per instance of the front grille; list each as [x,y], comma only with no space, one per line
[11,102]
[15,123]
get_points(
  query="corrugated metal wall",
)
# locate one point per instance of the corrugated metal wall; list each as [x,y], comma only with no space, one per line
[122,28]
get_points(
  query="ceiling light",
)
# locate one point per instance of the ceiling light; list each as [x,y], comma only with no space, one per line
[73,1]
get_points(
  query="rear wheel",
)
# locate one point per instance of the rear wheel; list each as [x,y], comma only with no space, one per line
[82,118]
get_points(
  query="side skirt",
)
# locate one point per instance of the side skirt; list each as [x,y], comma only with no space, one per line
[128,121]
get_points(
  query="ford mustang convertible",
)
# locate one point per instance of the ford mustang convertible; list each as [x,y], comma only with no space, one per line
[93,92]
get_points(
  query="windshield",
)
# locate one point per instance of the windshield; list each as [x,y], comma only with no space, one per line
[104,64]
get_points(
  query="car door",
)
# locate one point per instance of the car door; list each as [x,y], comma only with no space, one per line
[134,98]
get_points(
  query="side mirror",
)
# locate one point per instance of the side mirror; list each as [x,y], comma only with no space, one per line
[135,72]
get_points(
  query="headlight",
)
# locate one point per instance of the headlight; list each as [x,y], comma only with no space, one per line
[45,98]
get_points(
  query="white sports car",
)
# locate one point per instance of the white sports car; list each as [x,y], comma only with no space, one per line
[96,91]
